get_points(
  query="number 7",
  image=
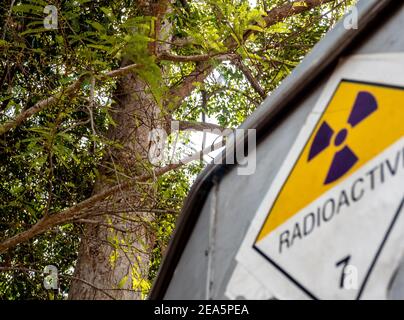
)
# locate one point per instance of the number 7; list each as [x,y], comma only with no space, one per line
[344,262]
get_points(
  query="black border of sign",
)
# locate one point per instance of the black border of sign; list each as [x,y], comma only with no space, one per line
[281,269]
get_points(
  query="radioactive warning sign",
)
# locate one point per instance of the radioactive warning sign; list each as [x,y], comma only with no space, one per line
[344,140]
[328,226]
[314,200]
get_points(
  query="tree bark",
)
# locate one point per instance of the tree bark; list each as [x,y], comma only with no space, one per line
[116,258]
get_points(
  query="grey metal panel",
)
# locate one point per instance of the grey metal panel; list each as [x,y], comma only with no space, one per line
[388,39]
[191,277]
[396,288]
[239,196]
[237,208]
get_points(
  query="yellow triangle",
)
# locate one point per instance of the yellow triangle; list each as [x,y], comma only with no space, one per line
[382,128]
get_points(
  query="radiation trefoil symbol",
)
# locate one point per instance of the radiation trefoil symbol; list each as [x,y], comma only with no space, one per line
[365,104]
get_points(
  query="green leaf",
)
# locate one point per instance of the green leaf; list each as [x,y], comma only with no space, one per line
[4,43]
[255,28]
[122,282]
[300,4]
[97,26]
[100,47]
[38,30]
[28,8]
[280,27]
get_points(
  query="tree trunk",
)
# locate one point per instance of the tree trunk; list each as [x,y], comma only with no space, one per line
[114,261]
[115,249]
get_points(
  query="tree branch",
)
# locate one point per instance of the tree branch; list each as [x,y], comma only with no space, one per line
[27,270]
[251,79]
[198,155]
[199,126]
[70,91]
[196,58]
[119,72]
[75,212]
[184,89]
[82,209]
[288,10]
[204,68]
[182,42]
